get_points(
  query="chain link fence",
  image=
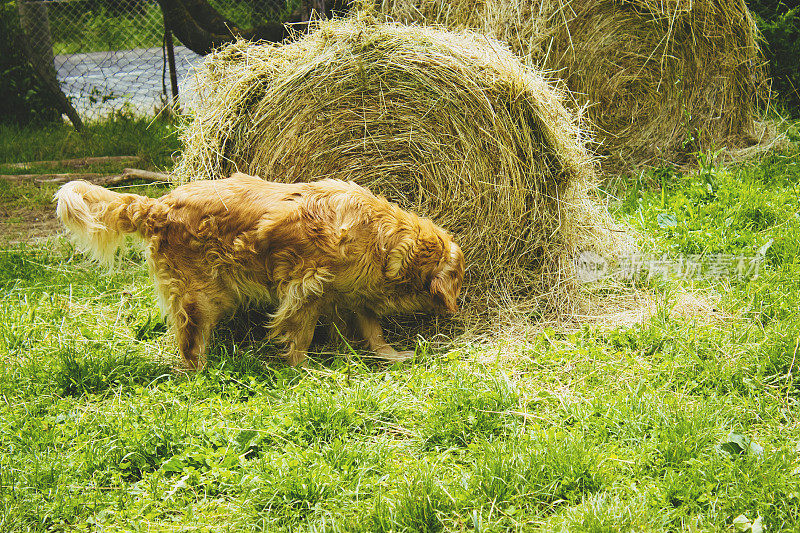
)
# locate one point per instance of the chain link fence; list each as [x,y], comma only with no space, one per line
[110,56]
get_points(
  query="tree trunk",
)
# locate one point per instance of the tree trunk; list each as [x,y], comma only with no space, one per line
[37,42]
[36,24]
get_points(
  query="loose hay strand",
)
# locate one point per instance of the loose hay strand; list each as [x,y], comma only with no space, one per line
[452,126]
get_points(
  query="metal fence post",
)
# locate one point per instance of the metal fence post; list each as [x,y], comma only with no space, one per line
[173,74]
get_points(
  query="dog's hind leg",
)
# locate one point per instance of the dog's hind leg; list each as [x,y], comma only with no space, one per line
[373,334]
[195,317]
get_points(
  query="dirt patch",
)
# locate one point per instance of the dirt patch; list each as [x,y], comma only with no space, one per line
[27,211]
[27,223]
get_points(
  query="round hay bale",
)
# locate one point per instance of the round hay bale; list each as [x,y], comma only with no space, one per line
[450,126]
[662,78]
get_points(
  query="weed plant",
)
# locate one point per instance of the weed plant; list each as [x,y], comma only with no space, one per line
[675,423]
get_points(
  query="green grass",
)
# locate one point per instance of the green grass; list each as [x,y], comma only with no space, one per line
[154,140]
[673,424]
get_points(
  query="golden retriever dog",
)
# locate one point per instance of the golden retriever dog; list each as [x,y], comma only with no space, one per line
[328,248]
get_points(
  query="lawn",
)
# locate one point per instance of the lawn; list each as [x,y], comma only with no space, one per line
[680,421]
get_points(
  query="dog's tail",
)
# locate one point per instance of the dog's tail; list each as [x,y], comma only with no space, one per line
[99,218]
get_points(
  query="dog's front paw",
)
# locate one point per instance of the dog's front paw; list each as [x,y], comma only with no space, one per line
[397,356]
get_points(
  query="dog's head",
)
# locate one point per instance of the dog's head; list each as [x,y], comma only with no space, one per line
[432,262]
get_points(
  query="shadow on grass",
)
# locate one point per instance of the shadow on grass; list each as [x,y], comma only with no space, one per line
[241,344]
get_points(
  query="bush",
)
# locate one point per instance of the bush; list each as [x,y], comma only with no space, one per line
[23,99]
[780,27]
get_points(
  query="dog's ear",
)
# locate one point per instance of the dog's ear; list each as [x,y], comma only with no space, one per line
[445,289]
[446,283]
[400,256]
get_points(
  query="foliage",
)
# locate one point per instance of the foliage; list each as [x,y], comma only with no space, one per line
[251,13]
[780,28]
[117,7]
[23,99]
[105,26]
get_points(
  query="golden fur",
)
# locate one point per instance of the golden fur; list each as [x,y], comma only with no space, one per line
[310,249]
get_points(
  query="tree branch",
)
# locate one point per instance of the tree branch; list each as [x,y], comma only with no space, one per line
[201,28]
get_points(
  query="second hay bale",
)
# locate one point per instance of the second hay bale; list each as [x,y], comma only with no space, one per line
[662,78]
[451,126]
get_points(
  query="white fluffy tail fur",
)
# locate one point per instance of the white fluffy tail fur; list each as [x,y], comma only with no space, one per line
[96,217]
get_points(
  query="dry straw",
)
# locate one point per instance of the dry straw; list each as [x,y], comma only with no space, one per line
[451,126]
[662,78]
